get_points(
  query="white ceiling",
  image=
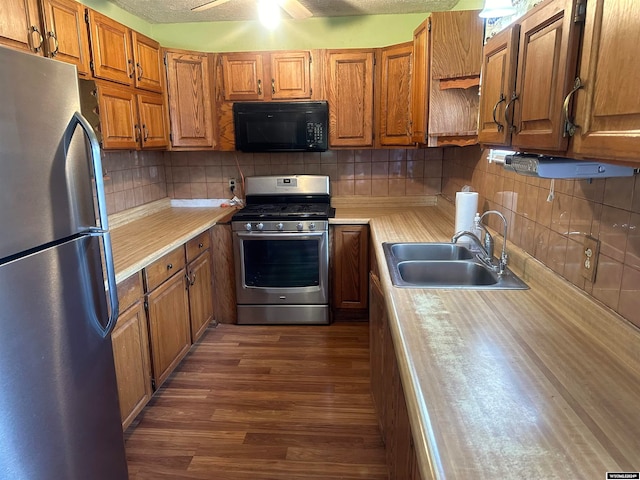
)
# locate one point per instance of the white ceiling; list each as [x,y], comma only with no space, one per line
[179,11]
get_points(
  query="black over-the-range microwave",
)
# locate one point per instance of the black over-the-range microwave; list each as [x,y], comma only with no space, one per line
[281,127]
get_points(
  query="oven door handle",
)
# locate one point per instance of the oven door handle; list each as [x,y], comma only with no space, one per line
[283,235]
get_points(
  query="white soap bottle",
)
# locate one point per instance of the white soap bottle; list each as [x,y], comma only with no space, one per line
[477,229]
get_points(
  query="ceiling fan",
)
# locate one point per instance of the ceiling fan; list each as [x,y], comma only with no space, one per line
[294,8]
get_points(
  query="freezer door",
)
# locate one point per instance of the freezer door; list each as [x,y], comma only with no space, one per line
[58,396]
[45,184]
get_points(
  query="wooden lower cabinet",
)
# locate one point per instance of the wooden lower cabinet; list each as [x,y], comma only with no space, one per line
[130,341]
[200,294]
[387,391]
[350,268]
[169,325]
[224,275]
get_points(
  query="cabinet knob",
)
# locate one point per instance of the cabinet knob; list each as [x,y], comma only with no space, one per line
[170,266]
[200,245]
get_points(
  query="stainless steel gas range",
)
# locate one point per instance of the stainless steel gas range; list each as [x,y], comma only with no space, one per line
[281,247]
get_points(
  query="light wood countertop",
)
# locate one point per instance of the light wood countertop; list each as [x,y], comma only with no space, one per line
[535,384]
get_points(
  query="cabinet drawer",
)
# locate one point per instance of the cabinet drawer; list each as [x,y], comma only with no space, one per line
[197,245]
[163,268]
[129,291]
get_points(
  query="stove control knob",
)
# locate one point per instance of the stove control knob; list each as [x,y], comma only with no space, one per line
[260,226]
[312,226]
[248,227]
[280,226]
[300,226]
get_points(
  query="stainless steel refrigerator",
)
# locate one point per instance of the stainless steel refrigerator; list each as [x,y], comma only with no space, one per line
[59,414]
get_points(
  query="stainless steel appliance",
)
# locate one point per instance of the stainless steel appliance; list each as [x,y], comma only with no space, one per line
[60,417]
[281,246]
[281,126]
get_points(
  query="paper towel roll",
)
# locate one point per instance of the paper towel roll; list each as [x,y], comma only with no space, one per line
[466,208]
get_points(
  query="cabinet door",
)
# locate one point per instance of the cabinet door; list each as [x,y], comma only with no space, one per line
[290,75]
[168,307]
[498,82]
[456,38]
[20,25]
[200,294]
[148,62]
[110,49]
[547,57]
[351,266]
[243,76]
[153,120]
[394,95]
[224,274]
[608,108]
[190,107]
[350,96]
[133,366]
[66,34]
[118,117]
[420,81]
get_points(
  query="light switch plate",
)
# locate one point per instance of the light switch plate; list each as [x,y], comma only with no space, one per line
[591,249]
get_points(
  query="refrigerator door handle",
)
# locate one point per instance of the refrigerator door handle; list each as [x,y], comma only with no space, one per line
[103,229]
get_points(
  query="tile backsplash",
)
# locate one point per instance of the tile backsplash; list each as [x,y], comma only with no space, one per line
[553,230]
[377,173]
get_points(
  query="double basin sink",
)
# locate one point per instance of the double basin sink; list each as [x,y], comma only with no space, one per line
[444,265]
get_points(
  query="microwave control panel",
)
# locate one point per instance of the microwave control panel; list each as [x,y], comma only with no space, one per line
[316,135]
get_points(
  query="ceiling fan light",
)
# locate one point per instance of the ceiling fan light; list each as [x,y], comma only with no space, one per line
[269,13]
[497,8]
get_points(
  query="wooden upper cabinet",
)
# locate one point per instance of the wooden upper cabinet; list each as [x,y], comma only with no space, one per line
[547,57]
[291,75]
[148,62]
[420,82]
[20,25]
[153,118]
[243,76]
[457,44]
[349,86]
[394,94]
[498,83]
[118,117]
[65,32]
[608,107]
[190,105]
[110,49]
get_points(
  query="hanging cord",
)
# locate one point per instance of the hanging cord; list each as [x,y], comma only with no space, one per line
[551,195]
[235,156]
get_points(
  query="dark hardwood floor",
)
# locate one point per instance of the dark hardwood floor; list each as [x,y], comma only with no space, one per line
[264,403]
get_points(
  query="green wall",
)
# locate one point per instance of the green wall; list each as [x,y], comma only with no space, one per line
[327,32]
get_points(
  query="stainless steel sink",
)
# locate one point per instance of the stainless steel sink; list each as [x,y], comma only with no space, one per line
[429,251]
[444,265]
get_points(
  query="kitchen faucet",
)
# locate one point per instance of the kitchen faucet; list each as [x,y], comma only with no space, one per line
[487,248]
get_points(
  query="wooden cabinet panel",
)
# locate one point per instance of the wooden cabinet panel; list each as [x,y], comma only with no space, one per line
[457,44]
[20,25]
[164,268]
[608,109]
[169,331]
[153,120]
[350,266]
[394,94]
[197,245]
[130,291]
[118,117]
[420,82]
[243,76]
[350,96]
[200,295]
[132,363]
[290,75]
[498,83]
[190,106]
[224,273]
[65,32]
[547,56]
[110,49]
[148,62]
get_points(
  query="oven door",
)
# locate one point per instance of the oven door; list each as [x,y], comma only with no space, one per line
[276,268]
